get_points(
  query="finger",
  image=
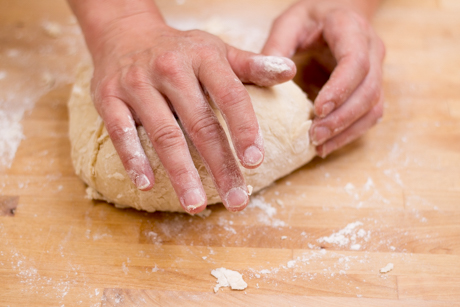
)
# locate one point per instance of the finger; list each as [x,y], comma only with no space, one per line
[291,31]
[353,132]
[361,101]
[168,141]
[349,44]
[364,98]
[235,105]
[259,69]
[122,131]
[209,138]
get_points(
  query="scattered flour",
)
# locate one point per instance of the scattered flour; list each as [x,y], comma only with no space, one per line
[266,216]
[155,269]
[347,235]
[52,29]
[355,247]
[32,72]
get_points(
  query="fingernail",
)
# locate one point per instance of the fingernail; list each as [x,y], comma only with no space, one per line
[142,182]
[192,199]
[252,156]
[322,152]
[236,198]
[320,135]
[327,108]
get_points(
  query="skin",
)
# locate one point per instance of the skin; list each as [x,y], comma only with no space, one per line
[338,33]
[147,73]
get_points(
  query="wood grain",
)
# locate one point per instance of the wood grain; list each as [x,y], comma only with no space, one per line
[400,183]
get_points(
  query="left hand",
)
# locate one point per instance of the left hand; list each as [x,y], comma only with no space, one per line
[352,100]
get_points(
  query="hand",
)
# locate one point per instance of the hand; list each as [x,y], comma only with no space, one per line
[146,73]
[339,34]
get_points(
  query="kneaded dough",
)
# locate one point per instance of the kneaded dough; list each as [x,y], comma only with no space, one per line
[284,114]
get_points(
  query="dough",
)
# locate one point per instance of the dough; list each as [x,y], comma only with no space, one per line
[387,268]
[228,278]
[284,115]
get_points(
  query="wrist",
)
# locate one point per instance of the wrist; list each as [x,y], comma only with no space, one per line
[104,21]
[125,36]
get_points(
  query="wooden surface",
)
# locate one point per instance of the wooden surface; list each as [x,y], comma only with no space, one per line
[401,181]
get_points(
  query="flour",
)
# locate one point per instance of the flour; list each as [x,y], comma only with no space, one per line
[52,29]
[11,135]
[347,235]
[268,211]
[272,64]
[27,74]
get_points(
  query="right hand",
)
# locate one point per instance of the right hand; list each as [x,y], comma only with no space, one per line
[147,73]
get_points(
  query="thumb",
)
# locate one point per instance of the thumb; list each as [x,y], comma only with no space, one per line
[260,69]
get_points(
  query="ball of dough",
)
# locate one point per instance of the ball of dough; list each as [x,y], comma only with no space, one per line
[284,114]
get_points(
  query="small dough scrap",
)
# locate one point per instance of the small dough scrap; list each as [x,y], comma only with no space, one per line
[387,268]
[204,214]
[284,114]
[250,189]
[228,278]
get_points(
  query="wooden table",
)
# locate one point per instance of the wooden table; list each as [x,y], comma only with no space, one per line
[400,184]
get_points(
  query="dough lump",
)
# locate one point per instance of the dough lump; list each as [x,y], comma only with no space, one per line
[284,114]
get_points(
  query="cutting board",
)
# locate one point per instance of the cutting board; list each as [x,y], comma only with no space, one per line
[316,237]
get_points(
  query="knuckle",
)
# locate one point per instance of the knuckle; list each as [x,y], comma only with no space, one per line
[362,61]
[136,77]
[180,174]
[208,52]
[246,130]
[115,130]
[168,136]
[229,169]
[233,97]
[103,90]
[340,123]
[205,128]
[169,64]
[373,93]
[130,160]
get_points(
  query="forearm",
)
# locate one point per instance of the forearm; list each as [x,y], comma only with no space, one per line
[102,18]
